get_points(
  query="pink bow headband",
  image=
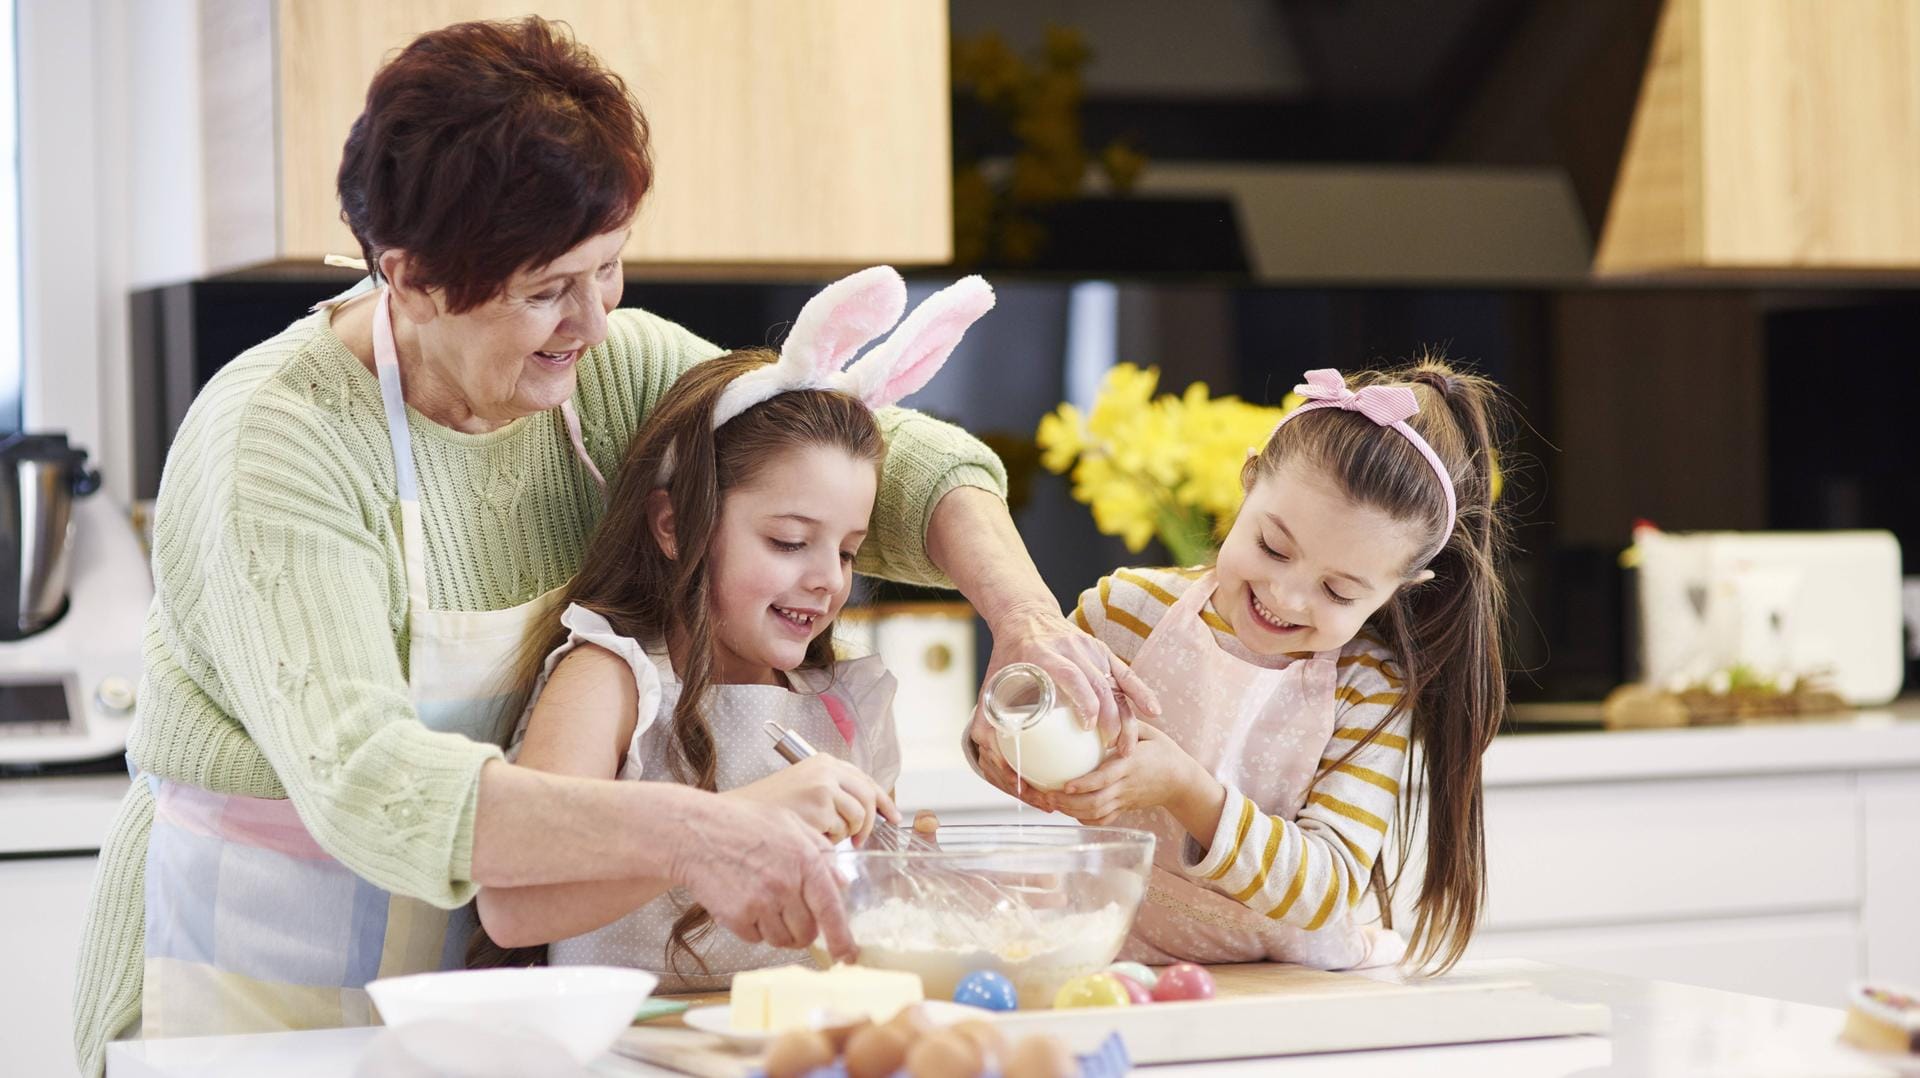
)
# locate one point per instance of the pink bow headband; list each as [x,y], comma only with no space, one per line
[1388,406]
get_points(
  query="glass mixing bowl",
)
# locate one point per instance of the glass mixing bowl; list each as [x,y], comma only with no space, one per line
[1039,903]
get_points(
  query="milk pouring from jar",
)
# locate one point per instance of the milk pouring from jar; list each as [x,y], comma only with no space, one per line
[1038,732]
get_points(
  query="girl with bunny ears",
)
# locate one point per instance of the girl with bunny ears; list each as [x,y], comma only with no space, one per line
[702,611]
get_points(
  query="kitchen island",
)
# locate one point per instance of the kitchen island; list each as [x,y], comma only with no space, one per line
[1779,858]
[1658,1028]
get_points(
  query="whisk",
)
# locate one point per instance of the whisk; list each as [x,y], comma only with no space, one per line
[936,886]
[886,835]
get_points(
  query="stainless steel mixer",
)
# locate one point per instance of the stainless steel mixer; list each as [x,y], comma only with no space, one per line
[40,476]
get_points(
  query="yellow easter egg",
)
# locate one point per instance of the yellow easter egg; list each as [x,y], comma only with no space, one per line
[1093,990]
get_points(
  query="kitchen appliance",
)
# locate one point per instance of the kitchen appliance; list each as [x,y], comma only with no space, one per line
[40,476]
[1775,603]
[74,591]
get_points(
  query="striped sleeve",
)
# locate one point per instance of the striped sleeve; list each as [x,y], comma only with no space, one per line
[1122,609]
[1313,870]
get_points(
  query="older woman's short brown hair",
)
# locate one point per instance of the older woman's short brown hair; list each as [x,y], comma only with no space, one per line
[488,147]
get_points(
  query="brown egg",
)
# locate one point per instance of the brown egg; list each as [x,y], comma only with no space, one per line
[913,1020]
[944,1054]
[1041,1056]
[839,1035]
[798,1051]
[877,1051]
[985,1036]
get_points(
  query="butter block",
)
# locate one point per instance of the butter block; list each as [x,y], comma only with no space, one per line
[788,997]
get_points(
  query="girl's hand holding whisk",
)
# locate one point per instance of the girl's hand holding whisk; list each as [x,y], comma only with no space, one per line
[829,795]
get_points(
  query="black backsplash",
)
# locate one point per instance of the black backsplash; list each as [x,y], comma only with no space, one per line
[1840,439]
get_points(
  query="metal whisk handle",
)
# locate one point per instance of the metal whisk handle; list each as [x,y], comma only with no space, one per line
[788,743]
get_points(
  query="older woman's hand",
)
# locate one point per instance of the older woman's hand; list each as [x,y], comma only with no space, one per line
[1087,674]
[764,874]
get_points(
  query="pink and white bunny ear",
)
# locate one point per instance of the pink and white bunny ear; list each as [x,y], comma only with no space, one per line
[836,323]
[910,357]
[843,317]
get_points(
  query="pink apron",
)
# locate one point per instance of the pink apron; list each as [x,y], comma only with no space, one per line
[1263,731]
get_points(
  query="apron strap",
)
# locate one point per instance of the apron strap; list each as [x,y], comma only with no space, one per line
[413,534]
[386,362]
[572,419]
[360,288]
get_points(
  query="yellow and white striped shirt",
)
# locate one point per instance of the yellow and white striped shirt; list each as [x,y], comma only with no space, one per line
[1293,871]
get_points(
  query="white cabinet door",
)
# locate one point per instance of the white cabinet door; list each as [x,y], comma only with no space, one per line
[1663,851]
[43,904]
[1807,958]
[1890,803]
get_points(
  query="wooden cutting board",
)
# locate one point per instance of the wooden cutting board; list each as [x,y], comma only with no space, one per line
[1259,1010]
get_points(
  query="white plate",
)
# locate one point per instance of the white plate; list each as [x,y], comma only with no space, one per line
[718,1020]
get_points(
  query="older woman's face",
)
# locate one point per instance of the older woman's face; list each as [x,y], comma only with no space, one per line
[516,354]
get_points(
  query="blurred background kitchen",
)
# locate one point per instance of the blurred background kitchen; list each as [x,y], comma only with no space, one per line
[1685,234]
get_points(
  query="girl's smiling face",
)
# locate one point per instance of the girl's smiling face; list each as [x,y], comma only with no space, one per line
[1305,566]
[781,562]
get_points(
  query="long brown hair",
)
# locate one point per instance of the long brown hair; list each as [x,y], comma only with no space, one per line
[648,594]
[1447,633]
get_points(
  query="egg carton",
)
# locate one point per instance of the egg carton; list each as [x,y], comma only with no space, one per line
[1110,1060]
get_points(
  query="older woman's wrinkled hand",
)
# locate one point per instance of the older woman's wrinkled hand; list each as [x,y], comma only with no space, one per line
[1086,674]
[764,873]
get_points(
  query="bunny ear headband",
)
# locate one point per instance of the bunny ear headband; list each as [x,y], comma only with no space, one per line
[841,320]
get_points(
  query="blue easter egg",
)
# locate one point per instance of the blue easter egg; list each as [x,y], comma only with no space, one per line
[985,988]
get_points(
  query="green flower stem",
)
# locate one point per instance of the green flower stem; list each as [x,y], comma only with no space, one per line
[1187,533]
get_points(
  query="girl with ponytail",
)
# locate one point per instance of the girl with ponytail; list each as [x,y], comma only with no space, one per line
[703,610]
[1352,624]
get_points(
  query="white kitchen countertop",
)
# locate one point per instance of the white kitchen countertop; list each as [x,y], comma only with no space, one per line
[1870,739]
[67,814]
[73,813]
[1658,1029]
[1866,740]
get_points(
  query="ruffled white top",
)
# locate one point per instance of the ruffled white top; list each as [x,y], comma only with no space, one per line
[844,711]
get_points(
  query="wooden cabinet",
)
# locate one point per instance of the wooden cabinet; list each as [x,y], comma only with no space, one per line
[1772,135]
[795,133]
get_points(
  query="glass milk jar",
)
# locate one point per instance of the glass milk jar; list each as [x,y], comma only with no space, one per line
[1038,733]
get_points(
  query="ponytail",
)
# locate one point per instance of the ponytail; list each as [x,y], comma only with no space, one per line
[1447,632]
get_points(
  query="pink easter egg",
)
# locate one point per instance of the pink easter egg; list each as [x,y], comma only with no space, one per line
[1136,992]
[1183,980]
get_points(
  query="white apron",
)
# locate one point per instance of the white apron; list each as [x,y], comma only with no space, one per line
[846,711]
[251,926]
[1263,731]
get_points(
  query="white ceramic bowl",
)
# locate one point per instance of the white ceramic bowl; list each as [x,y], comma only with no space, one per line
[582,1008]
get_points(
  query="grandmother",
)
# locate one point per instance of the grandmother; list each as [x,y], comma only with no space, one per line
[359,519]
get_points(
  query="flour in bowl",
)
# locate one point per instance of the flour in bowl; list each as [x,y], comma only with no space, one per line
[1038,953]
